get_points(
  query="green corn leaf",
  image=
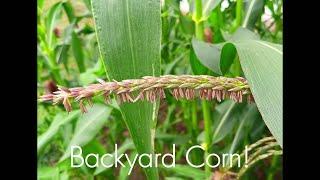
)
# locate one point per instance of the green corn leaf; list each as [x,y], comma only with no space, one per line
[262,66]
[197,66]
[88,4]
[45,173]
[62,50]
[208,6]
[208,55]
[59,120]
[261,63]
[127,145]
[124,171]
[226,116]
[62,53]
[78,52]
[51,20]
[225,124]
[187,25]
[219,57]
[129,36]
[186,171]
[67,6]
[173,138]
[254,8]
[250,115]
[243,34]
[40,3]
[88,126]
[228,54]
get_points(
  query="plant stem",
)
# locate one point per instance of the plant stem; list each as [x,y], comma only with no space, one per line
[205,106]
[198,22]
[194,117]
[187,115]
[239,8]
[207,121]
[195,130]
[207,130]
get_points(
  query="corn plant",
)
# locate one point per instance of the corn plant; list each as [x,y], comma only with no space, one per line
[147,74]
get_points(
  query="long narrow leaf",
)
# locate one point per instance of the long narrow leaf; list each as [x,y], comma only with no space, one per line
[59,121]
[208,6]
[254,9]
[218,133]
[129,36]
[78,52]
[51,20]
[88,127]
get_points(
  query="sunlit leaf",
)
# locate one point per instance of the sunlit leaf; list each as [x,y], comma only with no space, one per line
[129,36]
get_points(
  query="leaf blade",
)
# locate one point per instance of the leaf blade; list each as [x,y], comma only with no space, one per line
[51,19]
[129,38]
[78,51]
[209,5]
[253,10]
[262,65]
[59,120]
[88,126]
[208,54]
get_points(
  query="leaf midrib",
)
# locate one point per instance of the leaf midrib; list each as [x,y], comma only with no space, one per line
[269,46]
[263,43]
[246,19]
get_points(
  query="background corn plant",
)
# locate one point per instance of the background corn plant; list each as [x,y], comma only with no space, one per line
[229,38]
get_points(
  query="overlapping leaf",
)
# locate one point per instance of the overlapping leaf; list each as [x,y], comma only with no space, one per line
[261,63]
